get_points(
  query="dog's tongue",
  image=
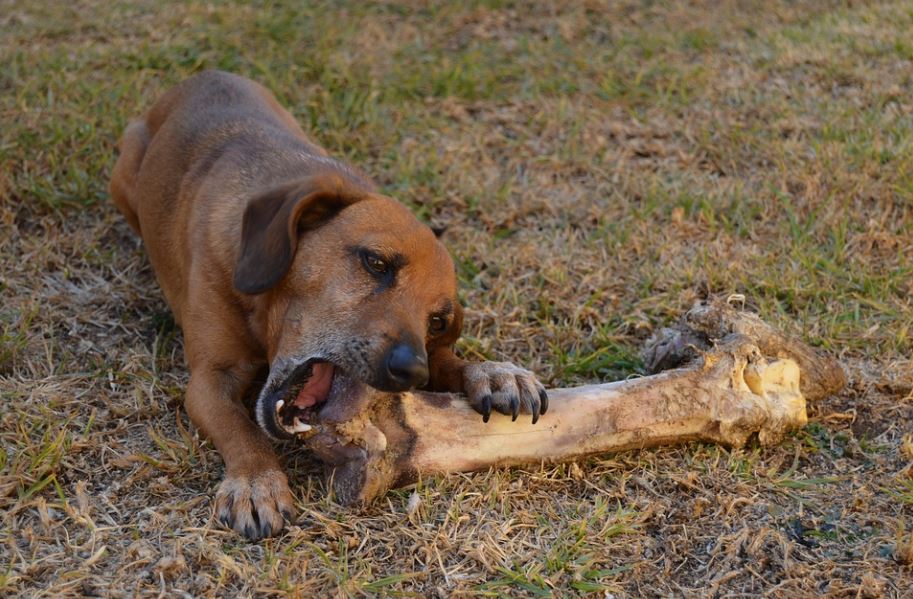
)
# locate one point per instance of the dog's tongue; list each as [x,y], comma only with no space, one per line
[318,386]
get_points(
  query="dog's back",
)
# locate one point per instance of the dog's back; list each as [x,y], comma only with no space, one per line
[217,139]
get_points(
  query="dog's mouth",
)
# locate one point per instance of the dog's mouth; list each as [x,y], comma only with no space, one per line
[314,390]
[309,386]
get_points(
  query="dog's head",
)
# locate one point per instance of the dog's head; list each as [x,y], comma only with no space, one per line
[358,290]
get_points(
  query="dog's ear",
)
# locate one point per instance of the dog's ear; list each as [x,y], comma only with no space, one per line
[274,220]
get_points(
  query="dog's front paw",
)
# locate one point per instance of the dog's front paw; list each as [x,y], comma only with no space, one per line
[255,506]
[504,387]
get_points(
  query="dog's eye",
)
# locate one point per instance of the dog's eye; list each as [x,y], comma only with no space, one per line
[375,263]
[437,325]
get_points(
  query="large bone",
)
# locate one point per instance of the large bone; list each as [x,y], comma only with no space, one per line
[729,393]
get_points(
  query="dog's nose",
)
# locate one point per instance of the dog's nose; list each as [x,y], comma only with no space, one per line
[406,369]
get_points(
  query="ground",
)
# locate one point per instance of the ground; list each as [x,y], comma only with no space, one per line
[598,166]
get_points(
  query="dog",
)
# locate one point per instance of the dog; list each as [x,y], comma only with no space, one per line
[273,254]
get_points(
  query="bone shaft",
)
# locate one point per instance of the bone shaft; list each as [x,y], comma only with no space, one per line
[671,407]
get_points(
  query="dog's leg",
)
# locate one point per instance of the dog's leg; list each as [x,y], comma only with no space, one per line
[254,499]
[499,386]
[132,147]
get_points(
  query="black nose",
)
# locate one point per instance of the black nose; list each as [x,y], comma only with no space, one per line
[406,369]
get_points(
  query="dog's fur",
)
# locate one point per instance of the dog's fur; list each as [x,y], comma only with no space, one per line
[270,252]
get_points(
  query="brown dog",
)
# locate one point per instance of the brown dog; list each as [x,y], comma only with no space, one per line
[271,253]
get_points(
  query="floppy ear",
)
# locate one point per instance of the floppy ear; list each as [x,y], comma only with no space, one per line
[273,221]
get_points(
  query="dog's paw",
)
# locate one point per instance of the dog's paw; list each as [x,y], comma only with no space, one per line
[255,506]
[505,388]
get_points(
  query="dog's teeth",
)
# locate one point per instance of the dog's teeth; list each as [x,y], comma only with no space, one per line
[300,427]
[279,404]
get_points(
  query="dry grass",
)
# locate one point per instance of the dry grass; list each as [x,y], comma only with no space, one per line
[595,163]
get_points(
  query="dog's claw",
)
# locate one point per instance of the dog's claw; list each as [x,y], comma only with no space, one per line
[250,533]
[225,511]
[225,519]
[486,408]
[267,530]
[543,401]
[514,408]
